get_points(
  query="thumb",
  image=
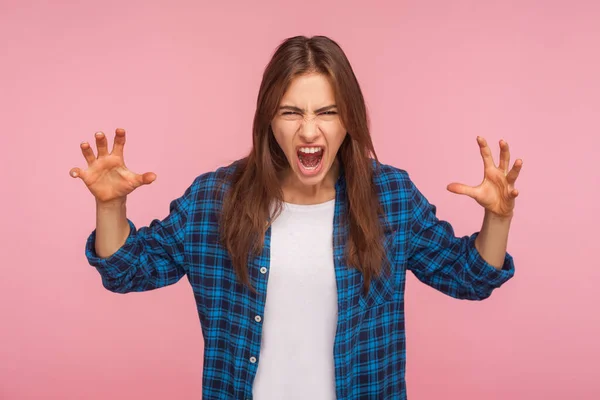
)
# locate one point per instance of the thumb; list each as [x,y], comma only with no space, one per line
[148,178]
[460,188]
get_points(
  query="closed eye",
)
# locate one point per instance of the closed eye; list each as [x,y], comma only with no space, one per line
[296,113]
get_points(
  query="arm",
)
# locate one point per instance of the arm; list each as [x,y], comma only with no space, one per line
[496,194]
[112,227]
[472,266]
[135,260]
[493,238]
[448,263]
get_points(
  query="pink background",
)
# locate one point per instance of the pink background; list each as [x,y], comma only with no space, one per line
[182,78]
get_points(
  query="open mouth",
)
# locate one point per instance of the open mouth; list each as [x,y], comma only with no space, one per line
[310,159]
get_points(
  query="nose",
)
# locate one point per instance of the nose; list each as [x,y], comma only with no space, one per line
[309,129]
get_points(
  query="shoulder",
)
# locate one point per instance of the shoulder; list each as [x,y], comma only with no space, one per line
[212,185]
[390,180]
[394,189]
[397,193]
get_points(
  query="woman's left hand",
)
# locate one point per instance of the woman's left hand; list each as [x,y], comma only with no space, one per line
[497,192]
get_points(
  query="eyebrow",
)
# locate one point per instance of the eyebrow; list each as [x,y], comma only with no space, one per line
[297,109]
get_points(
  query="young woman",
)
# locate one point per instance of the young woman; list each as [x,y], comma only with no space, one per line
[311,214]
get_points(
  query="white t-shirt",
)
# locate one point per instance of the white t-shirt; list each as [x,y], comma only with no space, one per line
[300,317]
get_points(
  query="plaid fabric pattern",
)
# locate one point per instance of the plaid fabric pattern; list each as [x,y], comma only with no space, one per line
[369,350]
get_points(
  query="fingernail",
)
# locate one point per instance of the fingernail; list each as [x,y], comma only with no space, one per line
[74,173]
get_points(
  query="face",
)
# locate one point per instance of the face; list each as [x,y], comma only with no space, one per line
[308,129]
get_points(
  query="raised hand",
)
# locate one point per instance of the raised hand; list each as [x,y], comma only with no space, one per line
[106,176]
[497,192]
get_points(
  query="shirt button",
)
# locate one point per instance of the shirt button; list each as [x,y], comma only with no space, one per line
[252,360]
[263,270]
[257,318]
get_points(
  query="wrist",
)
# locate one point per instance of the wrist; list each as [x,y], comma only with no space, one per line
[111,204]
[497,217]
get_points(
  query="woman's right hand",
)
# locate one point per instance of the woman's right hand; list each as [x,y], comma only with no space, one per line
[107,177]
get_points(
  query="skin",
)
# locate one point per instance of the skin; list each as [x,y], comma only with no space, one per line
[305,123]
[106,175]
[110,181]
[496,194]
[307,116]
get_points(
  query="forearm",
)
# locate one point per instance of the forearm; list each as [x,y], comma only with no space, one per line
[493,238]
[112,228]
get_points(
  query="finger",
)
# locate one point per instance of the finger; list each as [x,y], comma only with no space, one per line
[460,188]
[119,142]
[512,176]
[504,156]
[88,153]
[486,153]
[147,178]
[101,144]
[76,173]
[514,193]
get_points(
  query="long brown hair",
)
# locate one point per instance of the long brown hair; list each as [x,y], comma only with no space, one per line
[255,183]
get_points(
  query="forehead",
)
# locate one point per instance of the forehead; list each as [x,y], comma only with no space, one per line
[311,88]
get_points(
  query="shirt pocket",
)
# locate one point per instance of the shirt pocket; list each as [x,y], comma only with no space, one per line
[382,288]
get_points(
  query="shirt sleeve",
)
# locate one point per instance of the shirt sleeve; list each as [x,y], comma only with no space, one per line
[152,256]
[448,263]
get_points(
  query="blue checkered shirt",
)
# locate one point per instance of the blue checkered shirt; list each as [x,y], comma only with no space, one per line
[369,349]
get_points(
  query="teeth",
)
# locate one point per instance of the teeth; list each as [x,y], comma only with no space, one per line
[310,150]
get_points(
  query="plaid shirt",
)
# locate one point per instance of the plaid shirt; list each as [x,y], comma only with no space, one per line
[369,350]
